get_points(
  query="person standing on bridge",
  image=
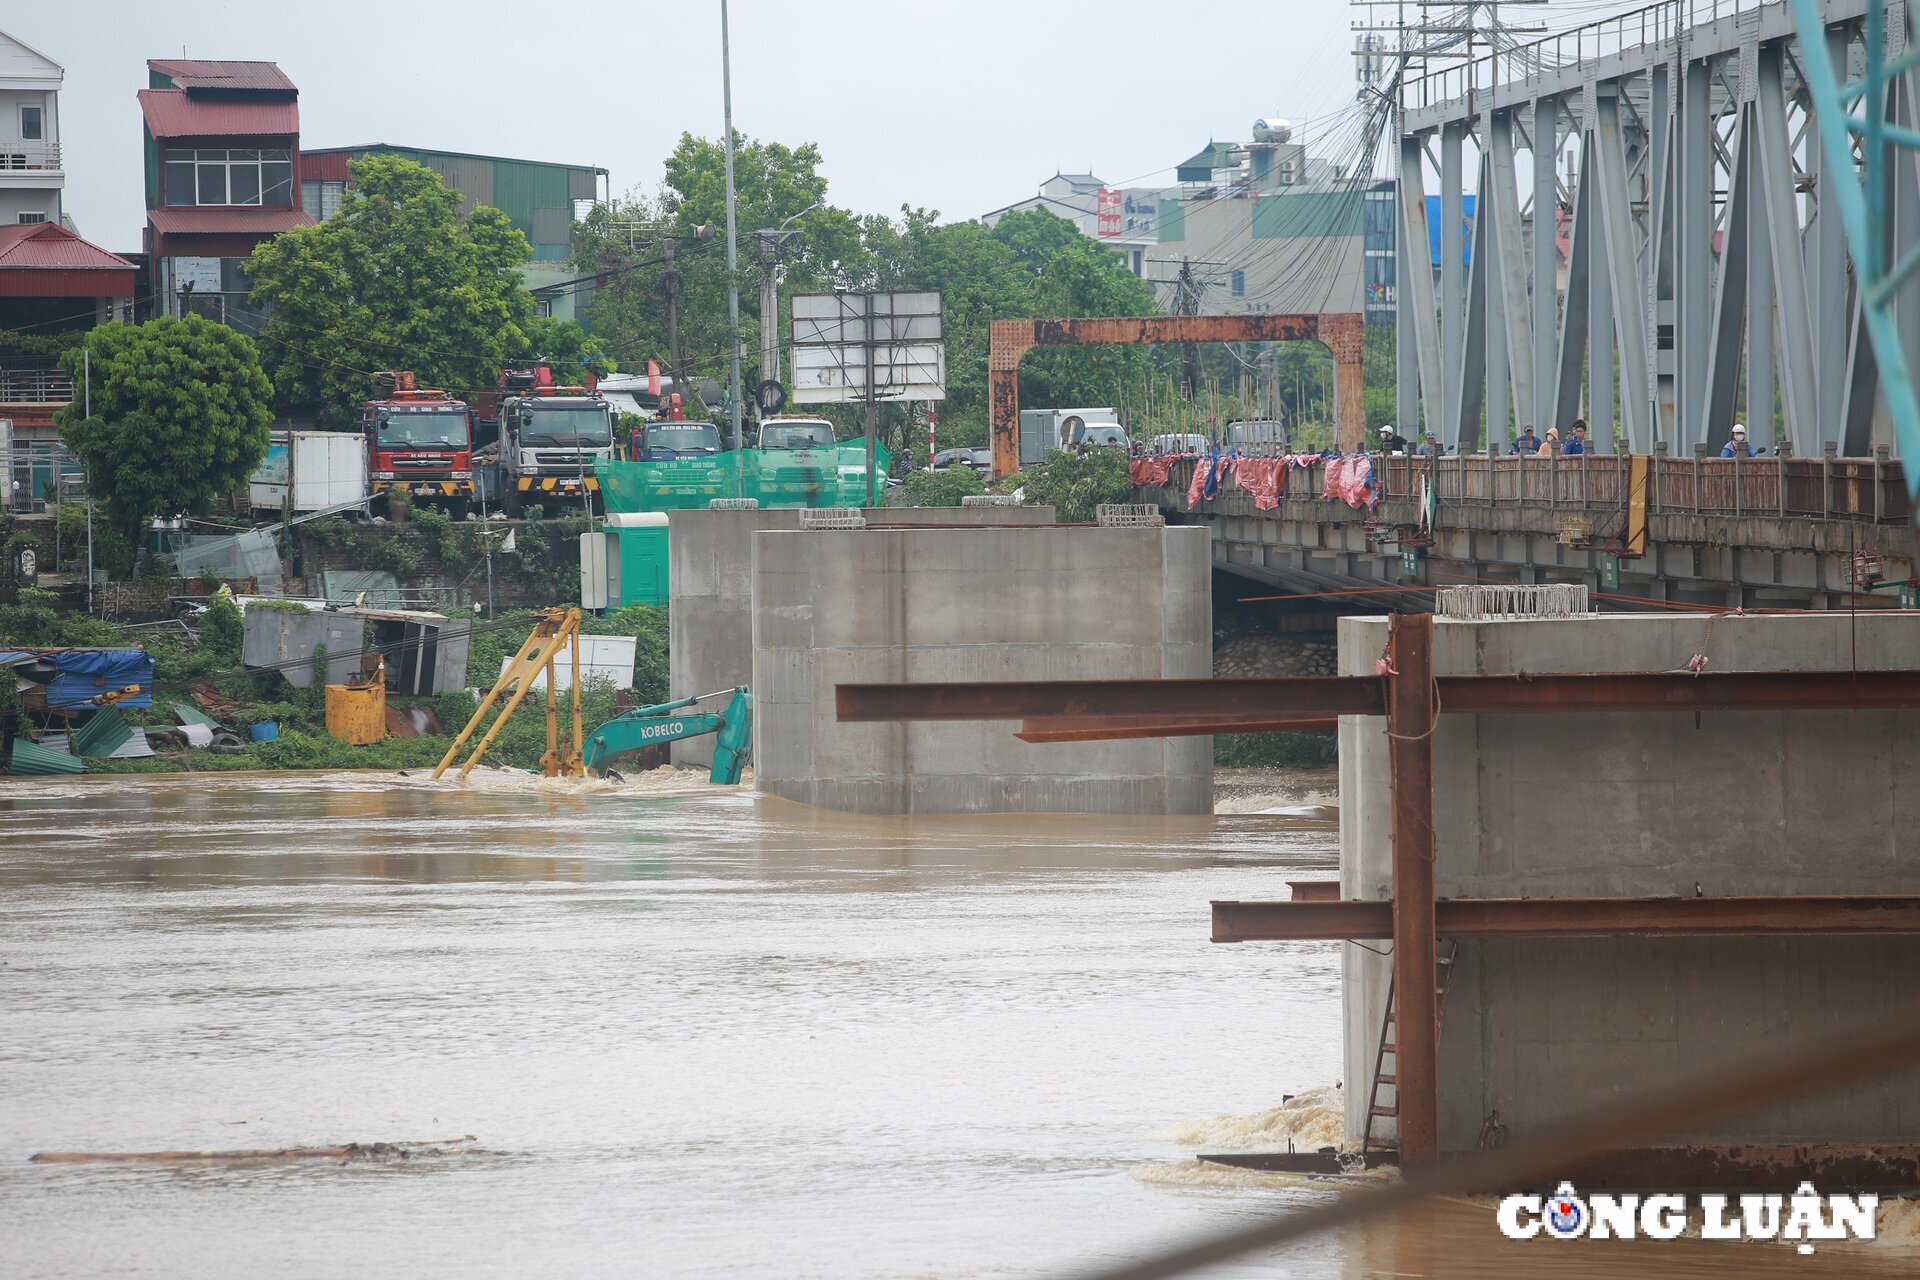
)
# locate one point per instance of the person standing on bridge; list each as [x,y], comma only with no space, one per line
[1550,445]
[1577,442]
[1738,446]
[1525,442]
[1391,441]
[1430,447]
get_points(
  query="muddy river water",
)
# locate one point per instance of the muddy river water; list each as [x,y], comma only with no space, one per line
[693,1033]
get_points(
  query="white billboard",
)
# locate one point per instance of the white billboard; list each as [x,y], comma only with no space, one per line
[839,337]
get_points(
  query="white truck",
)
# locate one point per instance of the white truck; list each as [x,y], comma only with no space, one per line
[1044,429]
[309,471]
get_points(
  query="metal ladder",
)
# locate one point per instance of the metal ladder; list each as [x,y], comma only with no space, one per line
[1442,983]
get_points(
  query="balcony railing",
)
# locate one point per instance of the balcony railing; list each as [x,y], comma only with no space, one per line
[34,382]
[1861,490]
[18,153]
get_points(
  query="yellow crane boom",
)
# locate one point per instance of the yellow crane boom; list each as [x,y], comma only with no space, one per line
[556,627]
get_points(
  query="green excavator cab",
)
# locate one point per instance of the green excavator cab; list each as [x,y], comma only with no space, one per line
[651,726]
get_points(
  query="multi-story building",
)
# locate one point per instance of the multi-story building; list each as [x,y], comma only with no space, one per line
[50,279]
[222,155]
[539,197]
[1260,226]
[1124,218]
[32,178]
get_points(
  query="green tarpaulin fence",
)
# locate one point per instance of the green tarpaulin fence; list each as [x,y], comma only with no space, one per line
[826,477]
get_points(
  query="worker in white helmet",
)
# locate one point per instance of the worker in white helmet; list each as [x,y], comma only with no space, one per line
[1738,446]
[1391,441]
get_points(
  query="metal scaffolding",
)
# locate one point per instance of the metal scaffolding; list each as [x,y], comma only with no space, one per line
[1413,698]
[1668,161]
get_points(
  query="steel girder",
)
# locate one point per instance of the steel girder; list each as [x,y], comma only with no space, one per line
[1708,275]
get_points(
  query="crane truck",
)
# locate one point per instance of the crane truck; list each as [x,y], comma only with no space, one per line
[550,439]
[419,442]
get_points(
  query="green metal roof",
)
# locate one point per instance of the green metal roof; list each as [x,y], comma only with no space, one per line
[30,759]
[1200,166]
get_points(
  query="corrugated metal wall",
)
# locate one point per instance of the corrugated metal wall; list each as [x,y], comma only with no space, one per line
[537,198]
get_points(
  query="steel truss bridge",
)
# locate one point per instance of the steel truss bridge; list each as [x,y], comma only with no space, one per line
[1670,155]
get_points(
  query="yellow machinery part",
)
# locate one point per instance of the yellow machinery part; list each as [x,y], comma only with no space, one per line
[555,628]
[357,714]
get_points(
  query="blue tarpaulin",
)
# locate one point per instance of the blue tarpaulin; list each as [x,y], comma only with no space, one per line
[81,675]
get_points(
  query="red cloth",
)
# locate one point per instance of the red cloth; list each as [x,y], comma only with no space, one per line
[1336,479]
[1262,478]
[1150,470]
[1197,490]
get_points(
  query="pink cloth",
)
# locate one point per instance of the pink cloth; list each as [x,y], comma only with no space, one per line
[1262,478]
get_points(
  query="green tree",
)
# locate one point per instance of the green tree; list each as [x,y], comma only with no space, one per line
[1074,484]
[395,279]
[942,488]
[180,413]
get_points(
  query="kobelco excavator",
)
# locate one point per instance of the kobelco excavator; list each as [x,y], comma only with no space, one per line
[650,726]
[559,629]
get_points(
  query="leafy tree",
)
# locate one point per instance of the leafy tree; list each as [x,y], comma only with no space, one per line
[180,413]
[942,488]
[395,279]
[1074,484]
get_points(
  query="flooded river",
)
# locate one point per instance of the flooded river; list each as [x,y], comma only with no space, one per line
[692,1033]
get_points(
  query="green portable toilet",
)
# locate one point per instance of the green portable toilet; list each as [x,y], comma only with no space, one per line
[636,558]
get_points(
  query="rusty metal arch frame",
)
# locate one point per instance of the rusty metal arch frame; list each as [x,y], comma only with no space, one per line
[1340,332]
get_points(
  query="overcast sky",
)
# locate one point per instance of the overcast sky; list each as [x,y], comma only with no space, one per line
[957,105]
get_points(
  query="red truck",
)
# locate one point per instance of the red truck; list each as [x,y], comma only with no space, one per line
[419,442]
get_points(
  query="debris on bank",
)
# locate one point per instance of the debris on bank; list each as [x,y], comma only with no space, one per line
[348,1152]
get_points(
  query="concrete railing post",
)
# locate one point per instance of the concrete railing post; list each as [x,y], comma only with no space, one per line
[1493,473]
[1739,478]
[1656,475]
[1828,452]
[1880,455]
[1699,456]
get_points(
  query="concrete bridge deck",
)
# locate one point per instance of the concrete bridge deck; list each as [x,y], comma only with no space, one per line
[1741,532]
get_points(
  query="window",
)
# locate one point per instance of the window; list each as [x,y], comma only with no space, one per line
[228,177]
[33,124]
[543,307]
[322,200]
[1239,284]
[32,217]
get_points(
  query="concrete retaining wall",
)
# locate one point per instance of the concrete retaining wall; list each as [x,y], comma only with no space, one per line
[975,604]
[1630,805]
[710,620]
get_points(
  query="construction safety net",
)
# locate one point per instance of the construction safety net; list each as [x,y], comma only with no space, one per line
[833,476]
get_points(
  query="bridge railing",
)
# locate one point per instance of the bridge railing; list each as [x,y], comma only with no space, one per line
[1864,490]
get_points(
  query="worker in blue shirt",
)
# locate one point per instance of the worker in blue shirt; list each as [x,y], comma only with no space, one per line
[1738,446]
[1526,442]
[1577,439]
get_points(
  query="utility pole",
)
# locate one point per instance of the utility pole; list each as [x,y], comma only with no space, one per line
[672,283]
[770,243]
[1188,304]
[873,405]
[733,263]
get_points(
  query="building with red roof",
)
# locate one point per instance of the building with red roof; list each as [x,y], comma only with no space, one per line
[223,153]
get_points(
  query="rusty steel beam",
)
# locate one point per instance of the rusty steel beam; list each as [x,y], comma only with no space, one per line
[1044,729]
[1481,918]
[1186,701]
[1411,719]
[1341,332]
[1217,706]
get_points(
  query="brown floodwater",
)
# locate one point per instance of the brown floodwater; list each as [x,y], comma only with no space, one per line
[694,1032]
